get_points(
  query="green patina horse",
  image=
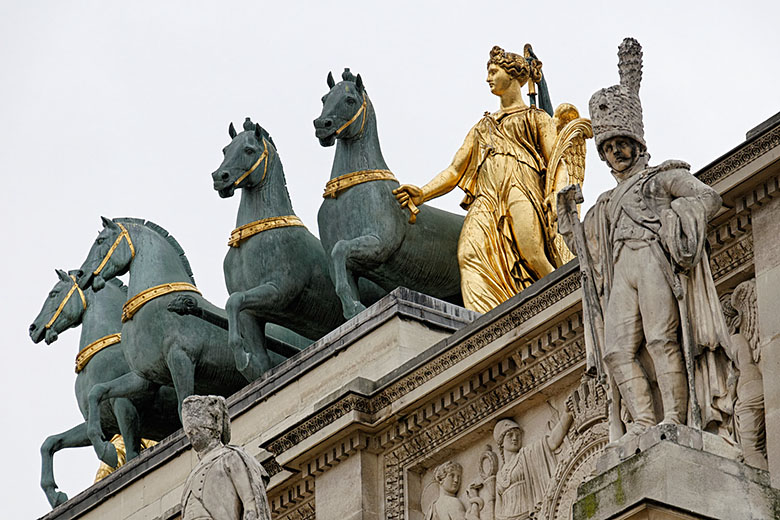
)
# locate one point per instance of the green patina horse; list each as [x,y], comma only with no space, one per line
[275,270]
[363,229]
[161,347]
[151,416]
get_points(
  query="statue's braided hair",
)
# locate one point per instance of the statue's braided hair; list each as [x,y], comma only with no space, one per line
[518,67]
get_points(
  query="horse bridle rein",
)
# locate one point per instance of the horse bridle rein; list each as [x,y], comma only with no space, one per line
[124,234]
[263,155]
[361,110]
[65,301]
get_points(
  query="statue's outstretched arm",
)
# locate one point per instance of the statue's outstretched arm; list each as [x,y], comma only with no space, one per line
[443,183]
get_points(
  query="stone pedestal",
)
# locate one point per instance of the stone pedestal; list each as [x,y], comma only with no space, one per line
[675,473]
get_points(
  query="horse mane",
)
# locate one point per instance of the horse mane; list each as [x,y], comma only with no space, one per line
[249,126]
[116,282]
[163,233]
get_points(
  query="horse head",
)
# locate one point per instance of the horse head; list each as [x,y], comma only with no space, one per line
[246,161]
[109,256]
[63,308]
[344,109]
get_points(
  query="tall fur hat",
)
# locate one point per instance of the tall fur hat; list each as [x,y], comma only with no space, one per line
[616,110]
[209,411]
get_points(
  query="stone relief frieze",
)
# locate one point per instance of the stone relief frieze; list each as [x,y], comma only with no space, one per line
[520,479]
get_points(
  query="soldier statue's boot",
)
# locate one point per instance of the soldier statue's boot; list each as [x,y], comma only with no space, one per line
[638,398]
[674,396]
[634,389]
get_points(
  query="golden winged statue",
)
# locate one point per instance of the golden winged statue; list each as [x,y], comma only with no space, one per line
[510,166]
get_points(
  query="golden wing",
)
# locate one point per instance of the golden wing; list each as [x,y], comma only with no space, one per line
[566,166]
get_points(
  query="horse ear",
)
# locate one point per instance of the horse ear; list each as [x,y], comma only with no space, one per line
[63,275]
[232,131]
[108,223]
[259,133]
[359,84]
[331,81]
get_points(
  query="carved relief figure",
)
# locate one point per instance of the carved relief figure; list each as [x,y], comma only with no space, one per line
[448,506]
[749,420]
[227,483]
[647,282]
[525,471]
[510,165]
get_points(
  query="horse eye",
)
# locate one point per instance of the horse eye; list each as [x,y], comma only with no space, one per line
[52,294]
[323,99]
[224,150]
[351,101]
[100,240]
[248,151]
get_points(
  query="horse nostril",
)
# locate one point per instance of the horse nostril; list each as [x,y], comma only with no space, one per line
[32,327]
[225,176]
[327,123]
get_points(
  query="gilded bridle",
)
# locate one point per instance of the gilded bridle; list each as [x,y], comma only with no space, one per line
[65,301]
[263,155]
[124,234]
[361,110]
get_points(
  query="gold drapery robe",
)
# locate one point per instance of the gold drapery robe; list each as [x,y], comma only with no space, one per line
[506,166]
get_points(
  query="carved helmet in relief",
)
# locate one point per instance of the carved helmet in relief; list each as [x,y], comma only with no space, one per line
[616,110]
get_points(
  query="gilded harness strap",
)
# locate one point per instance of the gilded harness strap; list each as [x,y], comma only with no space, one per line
[263,155]
[344,182]
[361,110]
[258,226]
[93,348]
[123,234]
[65,300]
[135,303]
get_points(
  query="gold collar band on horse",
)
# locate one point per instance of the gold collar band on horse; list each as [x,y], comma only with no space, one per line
[343,182]
[258,226]
[93,348]
[123,234]
[135,303]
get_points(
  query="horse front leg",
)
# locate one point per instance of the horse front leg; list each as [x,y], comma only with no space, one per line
[182,371]
[76,437]
[247,339]
[366,249]
[128,385]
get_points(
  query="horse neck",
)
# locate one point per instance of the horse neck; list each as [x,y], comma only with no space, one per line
[156,261]
[102,315]
[361,152]
[267,199]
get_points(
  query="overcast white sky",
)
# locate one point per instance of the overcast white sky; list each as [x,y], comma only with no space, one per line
[122,108]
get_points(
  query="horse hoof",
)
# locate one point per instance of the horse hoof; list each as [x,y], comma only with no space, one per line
[56,498]
[59,499]
[355,309]
[108,454]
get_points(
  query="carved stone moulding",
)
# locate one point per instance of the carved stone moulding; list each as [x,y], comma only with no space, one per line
[741,157]
[428,370]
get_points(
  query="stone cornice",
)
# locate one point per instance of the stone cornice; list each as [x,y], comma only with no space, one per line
[747,152]
[440,357]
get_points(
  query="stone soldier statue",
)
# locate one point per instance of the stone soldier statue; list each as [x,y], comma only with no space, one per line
[227,483]
[646,277]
